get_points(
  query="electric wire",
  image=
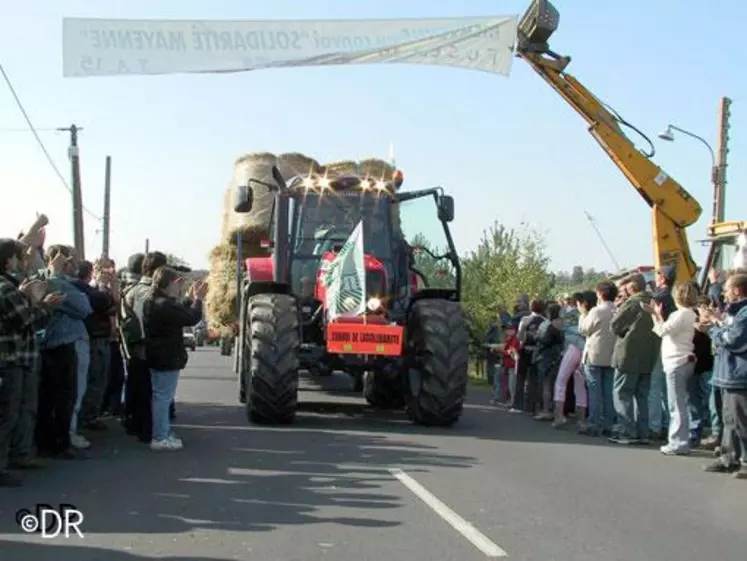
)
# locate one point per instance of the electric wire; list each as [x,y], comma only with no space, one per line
[39,141]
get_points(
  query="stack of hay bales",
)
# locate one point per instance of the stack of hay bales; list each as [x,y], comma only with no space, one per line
[254,226]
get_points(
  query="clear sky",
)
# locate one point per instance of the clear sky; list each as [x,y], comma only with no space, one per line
[508,149]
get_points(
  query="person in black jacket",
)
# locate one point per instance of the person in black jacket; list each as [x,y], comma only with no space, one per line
[547,356]
[103,298]
[164,320]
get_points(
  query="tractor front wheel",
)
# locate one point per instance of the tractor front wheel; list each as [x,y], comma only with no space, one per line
[438,360]
[271,359]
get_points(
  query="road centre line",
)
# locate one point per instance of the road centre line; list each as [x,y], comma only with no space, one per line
[468,531]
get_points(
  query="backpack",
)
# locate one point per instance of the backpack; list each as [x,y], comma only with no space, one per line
[531,338]
[130,328]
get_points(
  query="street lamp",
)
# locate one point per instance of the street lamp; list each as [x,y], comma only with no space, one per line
[668,135]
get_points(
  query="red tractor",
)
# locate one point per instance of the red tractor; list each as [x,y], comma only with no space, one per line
[408,349]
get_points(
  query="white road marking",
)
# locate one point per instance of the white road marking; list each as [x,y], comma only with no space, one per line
[472,534]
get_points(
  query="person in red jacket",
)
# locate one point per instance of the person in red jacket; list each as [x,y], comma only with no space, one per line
[508,369]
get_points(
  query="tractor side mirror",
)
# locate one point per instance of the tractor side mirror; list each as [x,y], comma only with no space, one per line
[244,199]
[278,178]
[446,208]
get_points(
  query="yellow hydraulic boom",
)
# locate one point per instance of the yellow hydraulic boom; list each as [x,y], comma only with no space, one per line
[673,208]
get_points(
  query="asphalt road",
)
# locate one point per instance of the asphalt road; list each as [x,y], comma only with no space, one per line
[328,488]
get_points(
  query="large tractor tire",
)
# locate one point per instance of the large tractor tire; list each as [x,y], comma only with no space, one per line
[383,392]
[271,360]
[438,360]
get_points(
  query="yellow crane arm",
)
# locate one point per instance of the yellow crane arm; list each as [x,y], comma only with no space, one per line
[673,208]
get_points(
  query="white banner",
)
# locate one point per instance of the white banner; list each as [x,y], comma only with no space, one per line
[345,279]
[104,47]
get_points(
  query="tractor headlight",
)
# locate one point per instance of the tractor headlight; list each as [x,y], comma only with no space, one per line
[374,304]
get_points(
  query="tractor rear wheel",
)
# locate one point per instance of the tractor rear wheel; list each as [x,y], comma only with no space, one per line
[271,360]
[383,392]
[438,360]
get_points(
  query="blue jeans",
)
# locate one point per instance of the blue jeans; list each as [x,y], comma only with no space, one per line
[499,389]
[698,403]
[164,384]
[599,380]
[658,405]
[83,352]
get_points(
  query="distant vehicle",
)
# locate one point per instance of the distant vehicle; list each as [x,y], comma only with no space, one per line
[189,339]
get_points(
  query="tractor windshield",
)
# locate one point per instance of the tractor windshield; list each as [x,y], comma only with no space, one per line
[323,221]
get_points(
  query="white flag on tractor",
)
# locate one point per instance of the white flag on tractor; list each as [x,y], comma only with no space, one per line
[345,279]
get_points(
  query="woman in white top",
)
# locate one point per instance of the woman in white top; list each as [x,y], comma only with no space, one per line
[678,361]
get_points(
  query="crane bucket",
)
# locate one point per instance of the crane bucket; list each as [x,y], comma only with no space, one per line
[537,25]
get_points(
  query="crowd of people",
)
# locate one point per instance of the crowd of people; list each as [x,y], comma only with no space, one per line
[80,342]
[645,362]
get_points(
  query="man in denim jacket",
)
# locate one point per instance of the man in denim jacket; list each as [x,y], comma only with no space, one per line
[59,359]
[729,336]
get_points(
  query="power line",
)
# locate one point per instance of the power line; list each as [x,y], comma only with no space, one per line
[39,141]
[46,129]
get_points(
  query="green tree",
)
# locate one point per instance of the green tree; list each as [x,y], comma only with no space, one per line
[577,275]
[438,273]
[506,264]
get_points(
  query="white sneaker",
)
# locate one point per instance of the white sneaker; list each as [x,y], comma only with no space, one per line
[79,442]
[169,443]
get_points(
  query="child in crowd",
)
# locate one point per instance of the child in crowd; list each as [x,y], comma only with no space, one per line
[510,356]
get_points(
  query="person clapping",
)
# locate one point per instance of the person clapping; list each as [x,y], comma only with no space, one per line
[164,318]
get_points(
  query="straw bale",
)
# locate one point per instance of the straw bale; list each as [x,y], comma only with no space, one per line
[220,302]
[293,164]
[256,166]
[345,167]
[377,169]
[254,225]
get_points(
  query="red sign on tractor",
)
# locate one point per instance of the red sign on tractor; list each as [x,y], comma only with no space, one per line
[364,338]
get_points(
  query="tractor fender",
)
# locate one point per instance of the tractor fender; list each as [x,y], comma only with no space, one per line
[433,294]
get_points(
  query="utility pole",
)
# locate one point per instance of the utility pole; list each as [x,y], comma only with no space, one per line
[147,246]
[73,154]
[107,204]
[722,150]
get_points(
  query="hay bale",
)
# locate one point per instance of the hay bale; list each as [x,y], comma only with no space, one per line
[254,225]
[220,302]
[346,167]
[227,210]
[377,169]
[293,164]
[255,166]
